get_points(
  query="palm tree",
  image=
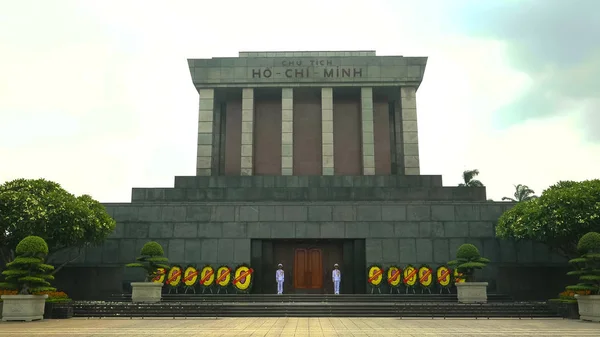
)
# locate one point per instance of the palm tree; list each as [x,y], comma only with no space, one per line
[522,193]
[468,176]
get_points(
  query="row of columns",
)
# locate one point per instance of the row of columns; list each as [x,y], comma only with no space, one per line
[407,148]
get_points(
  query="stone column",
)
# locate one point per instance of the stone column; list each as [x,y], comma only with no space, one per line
[410,132]
[247,162]
[368,140]
[287,131]
[205,132]
[327,131]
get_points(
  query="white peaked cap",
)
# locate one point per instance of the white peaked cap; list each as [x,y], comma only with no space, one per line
[280,265]
[336,265]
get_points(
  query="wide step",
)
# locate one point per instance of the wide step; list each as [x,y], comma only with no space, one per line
[313,309]
[254,298]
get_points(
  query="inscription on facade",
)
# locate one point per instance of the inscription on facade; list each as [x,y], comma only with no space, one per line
[313,68]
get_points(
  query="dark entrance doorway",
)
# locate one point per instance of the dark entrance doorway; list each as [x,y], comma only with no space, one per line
[308,264]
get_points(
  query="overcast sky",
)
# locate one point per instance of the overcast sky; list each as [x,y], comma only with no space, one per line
[96,95]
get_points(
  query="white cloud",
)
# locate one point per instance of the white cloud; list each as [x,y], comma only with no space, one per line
[98,97]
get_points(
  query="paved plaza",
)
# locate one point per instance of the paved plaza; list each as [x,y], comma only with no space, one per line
[300,327]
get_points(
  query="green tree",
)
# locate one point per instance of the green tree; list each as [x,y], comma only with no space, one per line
[468,176]
[43,208]
[522,193]
[559,217]
[28,273]
[468,259]
[152,258]
[587,266]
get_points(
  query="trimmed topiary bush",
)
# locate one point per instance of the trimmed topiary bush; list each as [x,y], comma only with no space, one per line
[468,260]
[27,273]
[587,267]
[152,258]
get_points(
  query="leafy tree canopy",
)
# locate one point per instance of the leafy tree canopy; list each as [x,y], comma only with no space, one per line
[522,193]
[43,208]
[559,217]
[469,179]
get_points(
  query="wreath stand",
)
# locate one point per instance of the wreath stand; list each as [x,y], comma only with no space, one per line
[447,288]
[207,287]
[397,288]
[375,287]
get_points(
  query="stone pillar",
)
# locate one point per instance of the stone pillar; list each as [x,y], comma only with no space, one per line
[205,132]
[287,131]
[327,130]
[368,140]
[247,162]
[410,132]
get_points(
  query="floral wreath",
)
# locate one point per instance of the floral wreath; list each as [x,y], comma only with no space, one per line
[223,279]
[444,276]
[207,276]
[410,276]
[426,276]
[243,278]
[375,274]
[173,279]
[190,276]
[394,276]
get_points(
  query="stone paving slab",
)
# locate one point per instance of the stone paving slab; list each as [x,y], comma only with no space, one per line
[300,327]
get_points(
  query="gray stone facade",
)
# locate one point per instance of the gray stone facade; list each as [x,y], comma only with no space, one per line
[396,232]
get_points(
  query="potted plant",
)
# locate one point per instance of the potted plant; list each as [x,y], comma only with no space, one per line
[28,275]
[58,305]
[587,267]
[151,260]
[566,303]
[467,261]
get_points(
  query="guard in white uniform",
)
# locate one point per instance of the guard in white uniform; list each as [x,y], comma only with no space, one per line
[336,276]
[279,277]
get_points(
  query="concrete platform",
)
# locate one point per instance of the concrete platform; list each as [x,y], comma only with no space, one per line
[300,327]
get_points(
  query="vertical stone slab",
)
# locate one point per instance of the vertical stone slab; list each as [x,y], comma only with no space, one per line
[327,130]
[205,132]
[247,161]
[287,131]
[410,132]
[368,140]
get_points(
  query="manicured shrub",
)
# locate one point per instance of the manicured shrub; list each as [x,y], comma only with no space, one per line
[587,267]
[55,296]
[152,258]
[468,260]
[27,273]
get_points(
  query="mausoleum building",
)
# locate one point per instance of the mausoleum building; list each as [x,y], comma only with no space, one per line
[310,159]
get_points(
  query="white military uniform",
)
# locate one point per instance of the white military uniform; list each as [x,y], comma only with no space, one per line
[336,275]
[279,277]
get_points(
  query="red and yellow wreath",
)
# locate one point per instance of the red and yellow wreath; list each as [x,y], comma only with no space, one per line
[174,277]
[207,276]
[444,276]
[458,277]
[160,275]
[375,274]
[190,276]
[223,276]
[243,277]
[394,276]
[410,276]
[425,276]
